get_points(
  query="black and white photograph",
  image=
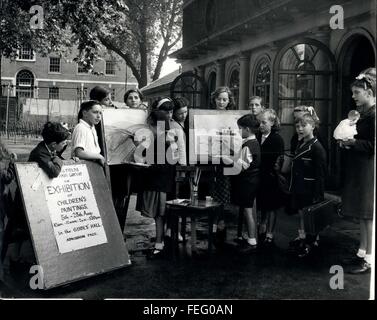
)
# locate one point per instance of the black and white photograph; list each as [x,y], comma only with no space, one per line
[187,156]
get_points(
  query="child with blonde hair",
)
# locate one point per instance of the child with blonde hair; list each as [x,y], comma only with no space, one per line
[307,180]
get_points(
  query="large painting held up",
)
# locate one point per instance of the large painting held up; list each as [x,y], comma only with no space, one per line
[214,133]
[120,127]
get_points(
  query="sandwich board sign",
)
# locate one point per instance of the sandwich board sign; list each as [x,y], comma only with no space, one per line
[72,221]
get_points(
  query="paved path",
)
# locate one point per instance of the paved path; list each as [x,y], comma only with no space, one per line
[226,274]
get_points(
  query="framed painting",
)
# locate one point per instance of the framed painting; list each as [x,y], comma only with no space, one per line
[119,127]
[214,133]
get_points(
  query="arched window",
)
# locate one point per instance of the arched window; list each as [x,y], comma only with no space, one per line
[191,86]
[25,84]
[305,75]
[234,84]
[262,81]
[211,84]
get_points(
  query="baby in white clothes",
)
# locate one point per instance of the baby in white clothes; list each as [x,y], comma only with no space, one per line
[346,129]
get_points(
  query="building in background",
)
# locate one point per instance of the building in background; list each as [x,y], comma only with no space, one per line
[285,51]
[159,88]
[52,86]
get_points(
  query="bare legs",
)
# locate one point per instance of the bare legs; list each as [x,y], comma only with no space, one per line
[366,229]
[250,217]
[268,223]
[159,218]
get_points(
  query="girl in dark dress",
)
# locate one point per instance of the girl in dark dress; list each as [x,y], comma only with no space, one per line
[158,179]
[244,185]
[307,181]
[222,99]
[269,196]
[358,191]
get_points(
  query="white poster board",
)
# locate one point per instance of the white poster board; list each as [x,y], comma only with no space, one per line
[73,210]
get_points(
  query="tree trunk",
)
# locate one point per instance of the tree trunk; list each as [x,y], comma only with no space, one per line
[161,59]
[143,55]
[143,66]
[1,88]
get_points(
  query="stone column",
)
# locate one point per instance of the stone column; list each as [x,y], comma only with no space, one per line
[244,80]
[220,73]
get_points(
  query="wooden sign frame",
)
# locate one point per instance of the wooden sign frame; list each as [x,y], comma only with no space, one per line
[62,268]
[209,122]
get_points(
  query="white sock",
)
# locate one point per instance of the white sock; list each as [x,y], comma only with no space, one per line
[269,235]
[361,253]
[368,258]
[159,245]
[252,241]
[301,234]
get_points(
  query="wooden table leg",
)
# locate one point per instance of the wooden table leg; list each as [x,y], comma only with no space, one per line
[193,235]
[210,231]
[174,230]
[183,228]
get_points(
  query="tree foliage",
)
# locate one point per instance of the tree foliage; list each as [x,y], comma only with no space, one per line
[131,28]
[150,24]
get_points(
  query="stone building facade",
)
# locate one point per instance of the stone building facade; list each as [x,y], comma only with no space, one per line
[290,52]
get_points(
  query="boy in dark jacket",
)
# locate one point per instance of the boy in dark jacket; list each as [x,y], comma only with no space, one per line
[48,156]
[307,178]
[48,152]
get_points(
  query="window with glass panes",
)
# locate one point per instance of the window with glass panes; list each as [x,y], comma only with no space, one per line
[262,82]
[112,94]
[25,84]
[26,53]
[305,76]
[234,85]
[211,84]
[54,64]
[110,67]
[53,93]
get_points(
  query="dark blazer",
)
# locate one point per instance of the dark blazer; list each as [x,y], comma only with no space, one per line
[309,170]
[358,189]
[269,196]
[271,148]
[51,164]
[294,141]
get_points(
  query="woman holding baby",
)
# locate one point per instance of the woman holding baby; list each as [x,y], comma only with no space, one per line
[358,189]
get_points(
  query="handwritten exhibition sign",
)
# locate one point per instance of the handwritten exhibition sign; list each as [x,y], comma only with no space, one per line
[73,209]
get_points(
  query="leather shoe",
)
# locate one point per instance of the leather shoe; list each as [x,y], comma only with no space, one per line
[249,249]
[364,267]
[355,261]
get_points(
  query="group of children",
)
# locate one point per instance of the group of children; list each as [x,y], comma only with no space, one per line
[258,161]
